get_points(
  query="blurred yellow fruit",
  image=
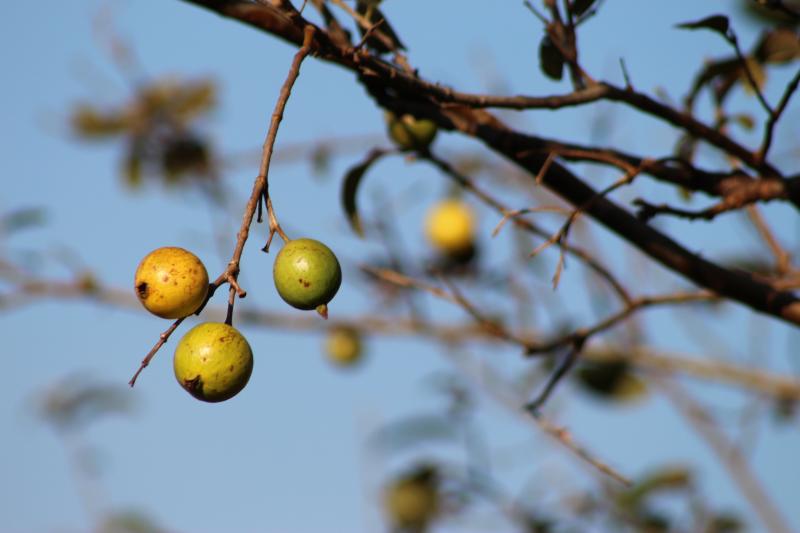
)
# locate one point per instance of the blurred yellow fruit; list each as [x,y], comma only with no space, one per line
[412,502]
[171,282]
[213,362]
[343,346]
[450,227]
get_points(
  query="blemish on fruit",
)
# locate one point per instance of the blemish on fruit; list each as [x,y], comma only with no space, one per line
[141,290]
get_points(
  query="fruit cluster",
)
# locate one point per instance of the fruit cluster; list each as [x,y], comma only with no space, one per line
[213,361]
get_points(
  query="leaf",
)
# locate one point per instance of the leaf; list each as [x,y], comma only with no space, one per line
[778,46]
[717,23]
[550,59]
[23,218]
[193,99]
[129,521]
[744,120]
[579,7]
[75,402]
[414,430]
[610,379]
[90,123]
[724,523]
[675,477]
[350,185]
[758,73]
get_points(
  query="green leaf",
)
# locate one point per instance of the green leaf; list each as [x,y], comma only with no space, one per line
[674,477]
[91,123]
[550,59]
[350,185]
[724,523]
[717,23]
[129,521]
[744,120]
[76,401]
[23,218]
[610,379]
[414,430]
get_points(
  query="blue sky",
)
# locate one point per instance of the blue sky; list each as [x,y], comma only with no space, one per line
[287,454]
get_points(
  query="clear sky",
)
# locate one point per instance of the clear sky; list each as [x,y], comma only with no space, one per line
[288,453]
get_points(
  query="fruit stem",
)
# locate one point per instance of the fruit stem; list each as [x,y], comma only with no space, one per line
[323,311]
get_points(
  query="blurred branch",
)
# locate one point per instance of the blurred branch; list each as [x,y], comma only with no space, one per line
[29,290]
[403,92]
[729,455]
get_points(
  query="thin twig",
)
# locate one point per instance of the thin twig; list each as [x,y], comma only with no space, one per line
[772,120]
[782,258]
[28,290]
[261,186]
[162,339]
[731,38]
[231,273]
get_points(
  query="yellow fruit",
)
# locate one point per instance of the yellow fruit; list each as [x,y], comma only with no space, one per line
[213,362]
[410,133]
[412,502]
[450,227]
[343,346]
[171,282]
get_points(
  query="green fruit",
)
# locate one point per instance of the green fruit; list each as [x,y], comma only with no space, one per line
[343,346]
[213,362]
[171,282]
[410,133]
[412,502]
[307,274]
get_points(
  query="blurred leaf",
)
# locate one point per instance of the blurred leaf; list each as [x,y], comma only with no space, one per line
[74,401]
[132,165]
[413,431]
[321,159]
[746,121]
[610,380]
[760,11]
[193,99]
[550,59]
[785,409]
[579,7]
[668,478]
[23,218]
[756,71]
[717,23]
[350,185]
[369,9]
[780,45]
[184,155]
[724,523]
[129,522]
[90,123]
[651,522]
[686,147]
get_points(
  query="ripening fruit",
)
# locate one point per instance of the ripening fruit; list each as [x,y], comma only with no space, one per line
[413,501]
[343,346]
[450,227]
[307,275]
[213,362]
[410,133]
[171,282]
